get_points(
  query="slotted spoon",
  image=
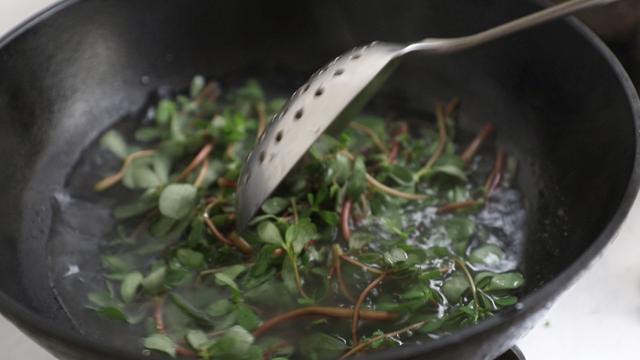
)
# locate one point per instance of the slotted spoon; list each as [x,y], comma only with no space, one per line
[338,91]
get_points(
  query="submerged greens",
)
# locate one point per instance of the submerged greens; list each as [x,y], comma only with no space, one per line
[372,241]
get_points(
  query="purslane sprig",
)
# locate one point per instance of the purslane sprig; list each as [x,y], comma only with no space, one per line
[332,250]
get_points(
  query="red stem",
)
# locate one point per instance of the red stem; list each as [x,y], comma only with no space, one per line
[321,311]
[158,318]
[453,207]
[197,160]
[473,147]
[393,154]
[356,310]
[493,181]
[214,230]
[344,219]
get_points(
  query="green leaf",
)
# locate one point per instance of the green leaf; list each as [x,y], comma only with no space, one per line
[162,227]
[112,313]
[154,281]
[190,258]
[177,200]
[275,205]
[134,209]
[196,232]
[288,277]
[359,240]
[329,217]
[142,177]
[340,169]
[246,318]
[161,163]
[234,344]
[358,180]
[432,325]
[506,301]
[233,271]
[146,134]
[451,170]
[487,255]
[459,230]
[197,84]
[176,125]
[189,309]
[119,264]
[114,142]
[321,346]
[130,285]
[506,281]
[298,235]
[102,299]
[395,256]
[225,280]
[161,343]
[197,339]
[323,146]
[401,175]
[219,308]
[455,286]
[269,233]
[165,111]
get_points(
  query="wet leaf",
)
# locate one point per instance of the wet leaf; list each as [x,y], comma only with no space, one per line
[161,343]
[455,286]
[506,281]
[234,344]
[269,233]
[247,318]
[190,258]
[154,281]
[130,285]
[219,308]
[225,280]
[197,84]
[487,255]
[357,181]
[114,142]
[396,255]
[275,205]
[197,339]
[176,200]
[165,111]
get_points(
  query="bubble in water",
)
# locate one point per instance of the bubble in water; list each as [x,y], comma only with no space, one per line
[145,79]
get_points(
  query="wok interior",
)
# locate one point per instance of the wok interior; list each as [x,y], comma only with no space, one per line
[557,104]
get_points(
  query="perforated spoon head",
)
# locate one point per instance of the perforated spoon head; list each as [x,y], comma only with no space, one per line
[338,91]
[327,101]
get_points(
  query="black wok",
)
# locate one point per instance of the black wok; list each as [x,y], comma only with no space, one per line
[561,102]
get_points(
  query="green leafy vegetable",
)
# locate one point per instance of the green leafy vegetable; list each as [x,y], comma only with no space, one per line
[161,343]
[177,200]
[389,217]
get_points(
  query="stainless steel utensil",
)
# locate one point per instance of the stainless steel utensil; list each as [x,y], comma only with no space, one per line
[338,91]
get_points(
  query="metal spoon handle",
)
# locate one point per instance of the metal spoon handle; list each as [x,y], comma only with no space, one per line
[540,17]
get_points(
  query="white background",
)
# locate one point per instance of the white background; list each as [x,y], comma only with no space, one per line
[599,318]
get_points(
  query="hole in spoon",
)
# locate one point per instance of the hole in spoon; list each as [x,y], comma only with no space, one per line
[355,57]
[298,115]
[279,136]
[262,156]
[319,92]
[338,72]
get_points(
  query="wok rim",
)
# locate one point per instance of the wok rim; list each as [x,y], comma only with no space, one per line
[32,323]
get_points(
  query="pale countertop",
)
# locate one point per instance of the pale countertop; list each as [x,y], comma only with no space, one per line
[598,318]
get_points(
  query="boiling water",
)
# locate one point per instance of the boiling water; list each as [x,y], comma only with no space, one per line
[83,230]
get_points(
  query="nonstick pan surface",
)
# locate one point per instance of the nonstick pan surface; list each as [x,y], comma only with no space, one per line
[561,102]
